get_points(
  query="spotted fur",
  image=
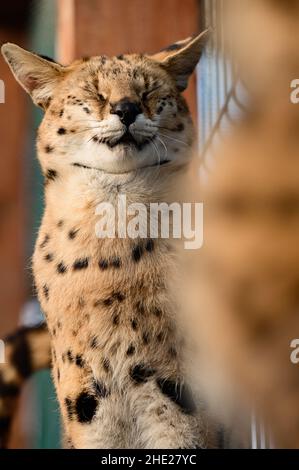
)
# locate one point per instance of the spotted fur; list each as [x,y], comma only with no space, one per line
[110,311]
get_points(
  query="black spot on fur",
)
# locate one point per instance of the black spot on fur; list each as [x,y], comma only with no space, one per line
[115,320]
[145,338]
[58,375]
[60,223]
[141,373]
[106,364]
[49,257]
[180,127]
[108,302]
[173,352]
[61,131]
[137,253]
[140,307]
[116,262]
[103,264]
[45,241]
[101,389]
[70,356]
[160,337]
[134,324]
[79,361]
[131,350]
[159,110]
[86,407]
[87,110]
[61,268]
[46,291]
[179,394]
[61,113]
[21,356]
[80,264]
[94,342]
[119,296]
[48,149]
[157,312]
[69,407]
[150,245]
[51,175]
[72,233]
[120,57]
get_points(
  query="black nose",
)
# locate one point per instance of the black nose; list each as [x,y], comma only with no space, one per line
[126,110]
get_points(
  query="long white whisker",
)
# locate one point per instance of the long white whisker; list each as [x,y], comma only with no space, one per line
[165,148]
[175,140]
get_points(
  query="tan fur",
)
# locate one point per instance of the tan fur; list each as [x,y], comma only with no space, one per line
[105,321]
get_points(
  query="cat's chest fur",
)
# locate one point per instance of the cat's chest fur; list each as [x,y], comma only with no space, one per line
[107,301]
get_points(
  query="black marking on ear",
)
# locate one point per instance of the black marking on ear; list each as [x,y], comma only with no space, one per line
[80,264]
[49,59]
[69,408]
[150,245]
[61,268]
[61,131]
[101,389]
[73,233]
[179,394]
[137,253]
[130,350]
[45,241]
[79,361]
[49,257]
[140,373]
[46,291]
[49,149]
[103,264]
[86,407]
[51,175]
[21,356]
[172,47]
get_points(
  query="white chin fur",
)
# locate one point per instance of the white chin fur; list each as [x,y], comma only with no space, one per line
[119,159]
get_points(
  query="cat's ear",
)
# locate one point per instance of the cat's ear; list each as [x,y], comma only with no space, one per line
[37,75]
[181,58]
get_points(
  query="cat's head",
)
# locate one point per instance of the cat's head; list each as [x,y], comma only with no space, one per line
[113,114]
